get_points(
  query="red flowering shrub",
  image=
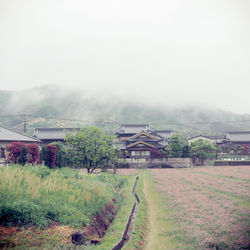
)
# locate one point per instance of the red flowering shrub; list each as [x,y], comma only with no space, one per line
[14,150]
[245,149]
[51,155]
[33,151]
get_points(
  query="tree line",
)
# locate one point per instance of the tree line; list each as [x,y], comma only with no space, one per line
[91,148]
[198,151]
[87,148]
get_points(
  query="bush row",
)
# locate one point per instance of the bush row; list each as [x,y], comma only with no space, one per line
[52,155]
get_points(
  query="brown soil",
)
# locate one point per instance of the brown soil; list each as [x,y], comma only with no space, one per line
[100,223]
[14,237]
[122,171]
[11,237]
[9,230]
[127,171]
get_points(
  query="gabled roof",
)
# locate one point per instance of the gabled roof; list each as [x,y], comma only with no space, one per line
[7,134]
[164,133]
[203,136]
[140,142]
[238,136]
[52,133]
[142,133]
[133,128]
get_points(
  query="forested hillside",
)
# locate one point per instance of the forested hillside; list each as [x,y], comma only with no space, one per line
[54,106]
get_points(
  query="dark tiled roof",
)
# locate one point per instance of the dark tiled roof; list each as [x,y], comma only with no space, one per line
[7,134]
[197,136]
[238,136]
[52,133]
[133,128]
[156,144]
[164,133]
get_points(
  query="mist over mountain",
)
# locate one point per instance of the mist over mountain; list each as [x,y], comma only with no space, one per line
[56,106]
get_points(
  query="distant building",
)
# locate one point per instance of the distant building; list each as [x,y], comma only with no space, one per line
[233,142]
[7,136]
[139,141]
[236,143]
[212,139]
[48,135]
[238,137]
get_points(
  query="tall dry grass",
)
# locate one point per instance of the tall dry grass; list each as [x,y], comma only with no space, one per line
[38,195]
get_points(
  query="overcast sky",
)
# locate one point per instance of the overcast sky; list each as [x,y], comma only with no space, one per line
[165,50]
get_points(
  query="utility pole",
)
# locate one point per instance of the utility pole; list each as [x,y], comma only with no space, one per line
[25,117]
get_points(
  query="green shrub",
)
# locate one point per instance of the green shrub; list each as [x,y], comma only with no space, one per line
[23,155]
[37,195]
[22,213]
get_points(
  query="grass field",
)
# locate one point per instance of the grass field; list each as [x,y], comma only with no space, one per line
[42,205]
[206,208]
[196,208]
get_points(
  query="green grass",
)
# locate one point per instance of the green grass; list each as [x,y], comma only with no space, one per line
[35,196]
[116,229]
[164,231]
[139,231]
[160,227]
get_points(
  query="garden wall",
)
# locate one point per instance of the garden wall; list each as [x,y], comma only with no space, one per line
[231,163]
[157,163]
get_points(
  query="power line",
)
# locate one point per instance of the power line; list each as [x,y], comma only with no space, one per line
[24,119]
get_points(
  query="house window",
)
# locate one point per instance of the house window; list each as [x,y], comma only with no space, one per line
[135,153]
[145,153]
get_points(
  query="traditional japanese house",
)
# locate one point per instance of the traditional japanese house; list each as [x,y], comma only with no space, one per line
[139,141]
[236,143]
[238,137]
[48,135]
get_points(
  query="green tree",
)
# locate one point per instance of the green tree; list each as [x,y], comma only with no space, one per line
[201,150]
[175,147]
[44,158]
[90,148]
[62,157]
[23,155]
[186,151]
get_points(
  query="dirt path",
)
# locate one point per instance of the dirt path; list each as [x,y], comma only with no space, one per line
[158,228]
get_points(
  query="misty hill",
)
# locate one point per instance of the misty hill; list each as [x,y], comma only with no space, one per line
[54,106]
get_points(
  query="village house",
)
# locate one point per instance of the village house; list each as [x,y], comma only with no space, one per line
[213,139]
[49,135]
[238,137]
[7,136]
[232,143]
[140,141]
[236,143]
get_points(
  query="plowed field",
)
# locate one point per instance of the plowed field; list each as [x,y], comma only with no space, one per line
[211,206]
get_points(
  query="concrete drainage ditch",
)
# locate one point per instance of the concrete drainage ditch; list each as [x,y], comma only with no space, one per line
[77,237]
[131,220]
